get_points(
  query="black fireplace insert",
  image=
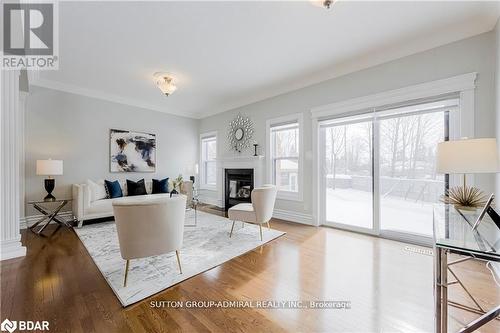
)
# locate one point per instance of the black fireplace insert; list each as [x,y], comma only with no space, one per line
[238,186]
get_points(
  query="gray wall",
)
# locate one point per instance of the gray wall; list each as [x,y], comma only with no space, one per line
[75,129]
[476,54]
[497,92]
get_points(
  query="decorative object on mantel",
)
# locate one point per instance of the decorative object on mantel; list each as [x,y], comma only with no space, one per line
[49,168]
[132,151]
[240,133]
[176,183]
[462,157]
[255,145]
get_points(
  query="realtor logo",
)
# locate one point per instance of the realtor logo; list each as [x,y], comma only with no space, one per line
[29,35]
[24,325]
[8,325]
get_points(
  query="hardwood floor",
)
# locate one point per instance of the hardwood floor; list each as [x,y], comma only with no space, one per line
[389,287]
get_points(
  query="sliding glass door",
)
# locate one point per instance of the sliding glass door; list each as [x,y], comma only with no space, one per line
[408,183]
[377,170]
[348,173]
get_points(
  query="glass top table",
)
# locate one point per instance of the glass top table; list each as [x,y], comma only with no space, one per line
[49,214]
[453,230]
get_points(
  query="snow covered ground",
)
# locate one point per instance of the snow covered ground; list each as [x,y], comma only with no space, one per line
[354,207]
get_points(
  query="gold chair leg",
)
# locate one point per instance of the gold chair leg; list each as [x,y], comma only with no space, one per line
[232,227]
[178,260]
[126,273]
[268,225]
[260,229]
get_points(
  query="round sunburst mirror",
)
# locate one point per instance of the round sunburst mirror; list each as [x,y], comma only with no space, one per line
[239,133]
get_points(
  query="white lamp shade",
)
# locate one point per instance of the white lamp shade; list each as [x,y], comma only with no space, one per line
[468,156]
[49,167]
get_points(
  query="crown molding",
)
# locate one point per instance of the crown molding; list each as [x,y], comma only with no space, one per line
[433,88]
[73,89]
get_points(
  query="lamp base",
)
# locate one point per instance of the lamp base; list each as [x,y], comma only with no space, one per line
[49,197]
[50,184]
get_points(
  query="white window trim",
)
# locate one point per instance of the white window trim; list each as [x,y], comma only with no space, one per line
[204,186]
[286,195]
[461,123]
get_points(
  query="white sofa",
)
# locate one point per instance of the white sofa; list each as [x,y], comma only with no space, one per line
[86,208]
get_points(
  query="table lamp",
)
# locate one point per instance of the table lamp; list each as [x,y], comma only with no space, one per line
[462,157]
[49,168]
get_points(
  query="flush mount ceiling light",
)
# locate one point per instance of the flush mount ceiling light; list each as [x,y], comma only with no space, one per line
[327,4]
[165,82]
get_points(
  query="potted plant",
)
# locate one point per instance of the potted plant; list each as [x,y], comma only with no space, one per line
[177,183]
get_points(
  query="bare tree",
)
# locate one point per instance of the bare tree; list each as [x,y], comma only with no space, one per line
[337,141]
[391,132]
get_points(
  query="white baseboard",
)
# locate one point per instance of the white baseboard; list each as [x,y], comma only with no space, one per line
[292,216]
[211,201]
[29,220]
[10,249]
[281,214]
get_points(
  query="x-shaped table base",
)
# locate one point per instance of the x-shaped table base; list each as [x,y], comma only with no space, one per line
[50,215]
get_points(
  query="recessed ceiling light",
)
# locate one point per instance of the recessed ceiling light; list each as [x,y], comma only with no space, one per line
[165,82]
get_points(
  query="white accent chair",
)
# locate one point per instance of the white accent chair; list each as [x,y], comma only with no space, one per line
[260,211]
[149,227]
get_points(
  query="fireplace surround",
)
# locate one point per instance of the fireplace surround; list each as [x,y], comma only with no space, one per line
[238,185]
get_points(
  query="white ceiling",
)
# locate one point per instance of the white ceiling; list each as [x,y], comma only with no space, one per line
[228,54]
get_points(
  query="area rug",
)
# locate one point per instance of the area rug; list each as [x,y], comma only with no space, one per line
[206,245]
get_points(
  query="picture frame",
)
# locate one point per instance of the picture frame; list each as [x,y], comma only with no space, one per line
[132,151]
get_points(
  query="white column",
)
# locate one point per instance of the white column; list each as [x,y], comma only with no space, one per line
[10,237]
[23,97]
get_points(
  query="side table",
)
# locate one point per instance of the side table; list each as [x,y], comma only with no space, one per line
[49,214]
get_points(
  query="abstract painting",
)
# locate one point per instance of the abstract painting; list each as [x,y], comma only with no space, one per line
[132,151]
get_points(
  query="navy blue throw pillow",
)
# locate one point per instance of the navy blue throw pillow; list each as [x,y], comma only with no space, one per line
[113,189]
[160,186]
[136,188]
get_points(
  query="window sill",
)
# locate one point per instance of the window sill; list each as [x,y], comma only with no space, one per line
[290,196]
[208,187]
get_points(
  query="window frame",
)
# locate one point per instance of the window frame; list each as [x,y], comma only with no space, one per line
[203,184]
[270,123]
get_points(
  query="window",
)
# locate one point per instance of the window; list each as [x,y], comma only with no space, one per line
[208,162]
[382,165]
[284,151]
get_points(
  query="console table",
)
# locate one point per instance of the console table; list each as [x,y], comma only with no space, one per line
[453,234]
[50,214]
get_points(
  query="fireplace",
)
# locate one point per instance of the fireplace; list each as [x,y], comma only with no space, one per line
[238,185]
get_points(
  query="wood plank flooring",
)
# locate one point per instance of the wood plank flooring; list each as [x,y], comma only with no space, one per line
[389,287]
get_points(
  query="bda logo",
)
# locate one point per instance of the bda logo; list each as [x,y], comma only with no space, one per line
[8,325]
[24,325]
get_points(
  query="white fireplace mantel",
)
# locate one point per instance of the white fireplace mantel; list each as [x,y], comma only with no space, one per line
[240,158]
[257,163]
